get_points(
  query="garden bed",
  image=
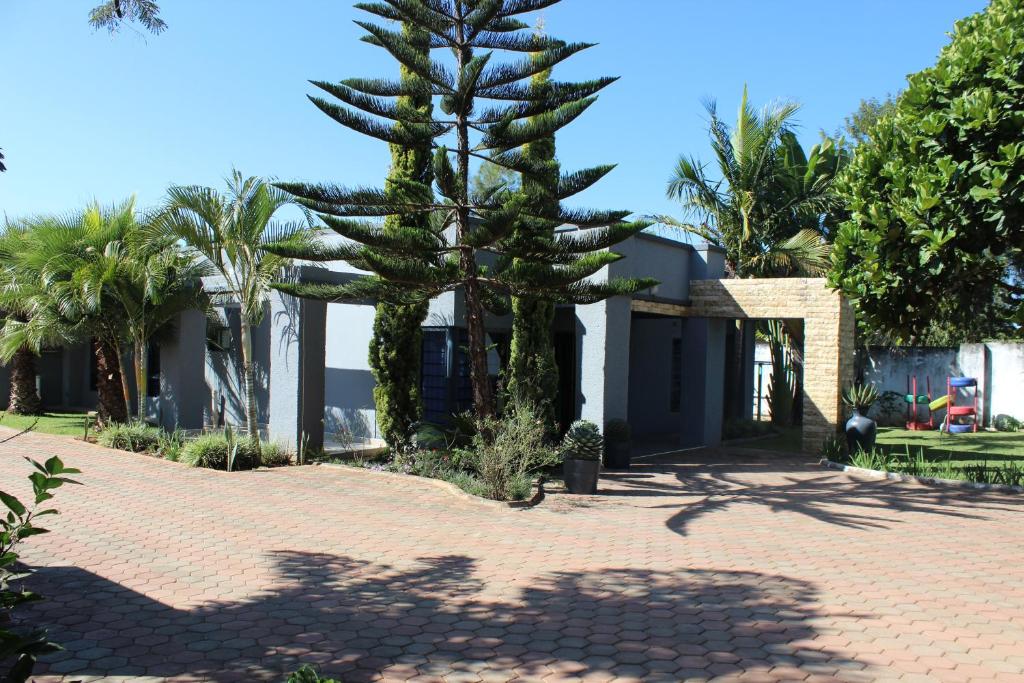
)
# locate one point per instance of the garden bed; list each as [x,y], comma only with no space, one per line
[932,481]
[532,500]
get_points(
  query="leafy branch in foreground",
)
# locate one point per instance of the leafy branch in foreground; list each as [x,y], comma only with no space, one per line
[16,526]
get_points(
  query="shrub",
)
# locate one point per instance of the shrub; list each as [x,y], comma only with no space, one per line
[1007,423]
[137,437]
[307,674]
[516,450]
[211,451]
[583,441]
[832,449]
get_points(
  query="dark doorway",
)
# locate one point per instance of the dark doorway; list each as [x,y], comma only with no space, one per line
[565,361]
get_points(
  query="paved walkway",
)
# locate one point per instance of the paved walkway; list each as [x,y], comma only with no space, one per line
[717,566]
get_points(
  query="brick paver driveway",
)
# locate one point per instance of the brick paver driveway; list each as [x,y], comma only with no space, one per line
[715,566]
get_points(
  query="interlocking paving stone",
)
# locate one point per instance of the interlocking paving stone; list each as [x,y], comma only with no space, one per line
[717,565]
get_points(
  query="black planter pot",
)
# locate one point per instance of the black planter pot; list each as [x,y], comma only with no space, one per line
[617,455]
[860,433]
[580,475]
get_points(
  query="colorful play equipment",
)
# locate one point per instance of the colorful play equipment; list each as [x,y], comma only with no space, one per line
[963,411]
[915,402]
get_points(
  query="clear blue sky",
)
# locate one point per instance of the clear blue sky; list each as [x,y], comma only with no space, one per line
[85,115]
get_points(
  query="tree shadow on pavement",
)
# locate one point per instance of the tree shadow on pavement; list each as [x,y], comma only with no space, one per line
[828,497]
[359,621]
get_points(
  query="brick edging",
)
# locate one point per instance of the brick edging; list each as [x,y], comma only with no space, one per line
[535,500]
[933,481]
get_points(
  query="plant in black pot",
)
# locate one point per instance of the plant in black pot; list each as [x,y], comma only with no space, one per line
[617,444]
[860,429]
[581,448]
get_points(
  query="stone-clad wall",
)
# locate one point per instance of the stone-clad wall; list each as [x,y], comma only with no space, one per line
[828,335]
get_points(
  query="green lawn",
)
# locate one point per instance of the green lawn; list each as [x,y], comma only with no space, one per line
[962,449]
[63,424]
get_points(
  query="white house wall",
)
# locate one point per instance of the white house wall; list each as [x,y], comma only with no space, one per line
[348,383]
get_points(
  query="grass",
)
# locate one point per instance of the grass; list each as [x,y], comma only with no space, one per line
[961,449]
[61,424]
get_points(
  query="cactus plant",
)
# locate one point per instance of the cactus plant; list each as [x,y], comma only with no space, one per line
[583,441]
[860,397]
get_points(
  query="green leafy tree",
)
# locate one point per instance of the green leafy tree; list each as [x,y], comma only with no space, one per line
[413,265]
[114,14]
[229,233]
[491,178]
[936,231]
[858,125]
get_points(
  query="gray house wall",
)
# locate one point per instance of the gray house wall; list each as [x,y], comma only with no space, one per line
[650,379]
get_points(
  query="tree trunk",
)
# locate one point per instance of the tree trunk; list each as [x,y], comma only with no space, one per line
[24,397]
[109,384]
[251,422]
[483,397]
[141,361]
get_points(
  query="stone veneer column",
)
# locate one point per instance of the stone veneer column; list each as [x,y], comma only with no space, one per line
[828,368]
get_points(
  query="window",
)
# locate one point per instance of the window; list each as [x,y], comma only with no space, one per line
[153,370]
[434,377]
[675,391]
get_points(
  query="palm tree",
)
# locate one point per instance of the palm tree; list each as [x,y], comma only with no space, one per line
[50,291]
[229,232]
[156,282]
[769,206]
[24,398]
[766,208]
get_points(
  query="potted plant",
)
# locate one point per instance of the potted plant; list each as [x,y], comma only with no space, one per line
[860,429]
[581,448]
[617,444]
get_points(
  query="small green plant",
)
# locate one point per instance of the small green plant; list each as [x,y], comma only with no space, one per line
[515,450]
[307,674]
[583,441]
[170,444]
[213,451]
[875,459]
[832,449]
[19,524]
[617,431]
[137,437]
[860,397]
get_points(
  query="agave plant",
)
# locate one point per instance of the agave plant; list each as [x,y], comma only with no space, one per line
[583,441]
[860,397]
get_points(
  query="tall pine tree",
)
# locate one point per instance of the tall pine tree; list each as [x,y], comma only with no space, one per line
[412,263]
[396,327]
[532,371]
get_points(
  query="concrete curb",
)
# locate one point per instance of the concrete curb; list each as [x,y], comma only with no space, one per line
[533,501]
[933,481]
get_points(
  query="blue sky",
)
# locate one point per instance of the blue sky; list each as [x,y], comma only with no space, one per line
[85,115]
